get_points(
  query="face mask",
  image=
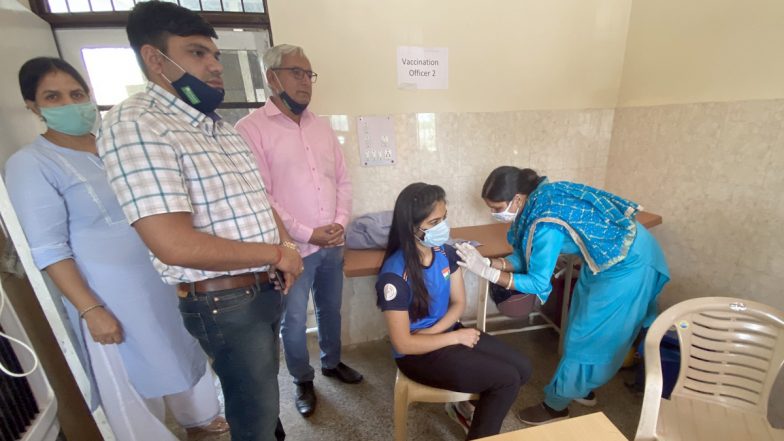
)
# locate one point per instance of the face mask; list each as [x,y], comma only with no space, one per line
[505,216]
[295,107]
[198,94]
[71,119]
[436,236]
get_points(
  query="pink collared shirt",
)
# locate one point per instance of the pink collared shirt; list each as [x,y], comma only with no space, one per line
[303,170]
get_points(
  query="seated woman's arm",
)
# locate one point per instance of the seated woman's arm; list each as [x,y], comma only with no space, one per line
[457,302]
[394,296]
[407,343]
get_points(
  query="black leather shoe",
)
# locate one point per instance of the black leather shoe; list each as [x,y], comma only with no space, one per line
[343,373]
[305,398]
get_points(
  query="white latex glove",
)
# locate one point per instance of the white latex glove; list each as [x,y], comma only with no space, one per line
[474,262]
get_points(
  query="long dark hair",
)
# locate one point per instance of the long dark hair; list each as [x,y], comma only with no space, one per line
[413,205]
[506,181]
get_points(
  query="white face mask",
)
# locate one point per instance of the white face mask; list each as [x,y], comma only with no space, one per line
[506,216]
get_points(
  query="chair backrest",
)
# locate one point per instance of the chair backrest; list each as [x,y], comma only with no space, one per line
[731,350]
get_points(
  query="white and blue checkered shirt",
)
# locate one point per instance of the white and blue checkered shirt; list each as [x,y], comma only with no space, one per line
[163,156]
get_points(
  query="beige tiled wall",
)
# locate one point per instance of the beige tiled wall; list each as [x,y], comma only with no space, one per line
[715,172]
[566,144]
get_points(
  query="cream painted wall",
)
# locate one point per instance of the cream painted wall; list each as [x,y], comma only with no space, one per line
[714,172]
[701,121]
[703,50]
[503,55]
[22,36]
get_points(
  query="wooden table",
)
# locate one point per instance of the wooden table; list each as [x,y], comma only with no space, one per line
[360,263]
[593,427]
[492,239]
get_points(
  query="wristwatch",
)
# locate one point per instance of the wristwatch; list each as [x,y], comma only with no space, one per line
[290,245]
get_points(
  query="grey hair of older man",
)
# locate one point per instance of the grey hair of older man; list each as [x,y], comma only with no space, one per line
[274,58]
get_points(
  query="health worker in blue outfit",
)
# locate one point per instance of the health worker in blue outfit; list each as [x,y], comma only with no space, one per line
[420,289]
[623,272]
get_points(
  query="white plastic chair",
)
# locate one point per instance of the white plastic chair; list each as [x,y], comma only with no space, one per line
[408,391]
[731,352]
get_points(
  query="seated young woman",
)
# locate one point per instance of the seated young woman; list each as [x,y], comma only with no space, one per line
[421,292]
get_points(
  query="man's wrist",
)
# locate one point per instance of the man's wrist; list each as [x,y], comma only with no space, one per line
[278,256]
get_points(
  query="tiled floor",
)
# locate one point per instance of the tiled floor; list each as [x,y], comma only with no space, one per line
[364,411]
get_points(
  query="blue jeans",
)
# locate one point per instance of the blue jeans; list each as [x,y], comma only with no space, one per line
[324,275]
[238,329]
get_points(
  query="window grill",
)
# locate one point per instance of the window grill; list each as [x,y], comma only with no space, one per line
[18,408]
[114,13]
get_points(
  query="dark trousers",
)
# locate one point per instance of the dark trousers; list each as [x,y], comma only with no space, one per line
[238,329]
[491,369]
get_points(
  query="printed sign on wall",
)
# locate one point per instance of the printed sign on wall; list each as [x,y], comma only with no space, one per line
[422,67]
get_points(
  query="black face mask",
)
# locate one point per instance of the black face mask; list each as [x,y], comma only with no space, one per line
[295,107]
[200,95]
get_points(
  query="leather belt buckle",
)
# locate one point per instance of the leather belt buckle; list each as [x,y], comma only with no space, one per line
[181,292]
[222,283]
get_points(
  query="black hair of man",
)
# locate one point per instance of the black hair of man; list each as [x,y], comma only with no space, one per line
[153,22]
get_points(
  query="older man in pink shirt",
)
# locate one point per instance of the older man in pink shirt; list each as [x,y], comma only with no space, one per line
[307,182]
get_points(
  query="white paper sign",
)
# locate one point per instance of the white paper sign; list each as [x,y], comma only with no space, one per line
[422,67]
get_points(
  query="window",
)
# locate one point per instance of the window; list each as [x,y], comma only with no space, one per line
[91,37]
[248,14]
[105,59]
[114,75]
[74,6]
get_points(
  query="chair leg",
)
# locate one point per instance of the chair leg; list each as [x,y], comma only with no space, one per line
[401,413]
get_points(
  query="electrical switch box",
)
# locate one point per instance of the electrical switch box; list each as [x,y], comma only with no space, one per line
[376,135]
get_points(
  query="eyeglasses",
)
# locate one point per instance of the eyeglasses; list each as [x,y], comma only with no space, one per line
[299,74]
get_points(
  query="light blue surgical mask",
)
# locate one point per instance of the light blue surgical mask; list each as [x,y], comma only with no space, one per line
[437,235]
[71,119]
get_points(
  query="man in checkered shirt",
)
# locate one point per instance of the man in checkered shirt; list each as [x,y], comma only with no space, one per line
[190,187]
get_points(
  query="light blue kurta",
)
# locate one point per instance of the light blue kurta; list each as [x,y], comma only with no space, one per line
[607,310]
[68,210]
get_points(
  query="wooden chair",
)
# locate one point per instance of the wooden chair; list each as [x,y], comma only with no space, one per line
[408,391]
[731,352]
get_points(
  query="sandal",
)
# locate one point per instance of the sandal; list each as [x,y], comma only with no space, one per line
[217,426]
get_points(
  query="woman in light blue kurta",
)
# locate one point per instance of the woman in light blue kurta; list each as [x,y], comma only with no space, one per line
[623,272]
[126,317]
